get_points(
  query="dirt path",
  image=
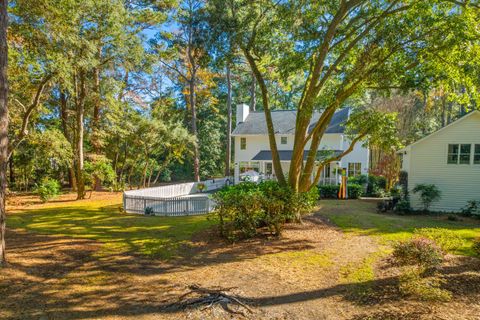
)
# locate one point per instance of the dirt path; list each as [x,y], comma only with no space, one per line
[314,271]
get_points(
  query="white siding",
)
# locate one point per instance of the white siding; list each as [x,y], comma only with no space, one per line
[427,163]
[256,143]
[360,154]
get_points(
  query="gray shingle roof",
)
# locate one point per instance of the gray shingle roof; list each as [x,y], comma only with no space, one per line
[286,155]
[284,122]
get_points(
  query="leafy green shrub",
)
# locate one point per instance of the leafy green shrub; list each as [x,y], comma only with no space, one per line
[412,283]
[355,191]
[452,217]
[396,192]
[476,246]
[48,189]
[328,191]
[244,208]
[403,207]
[428,194]
[361,180]
[166,175]
[376,185]
[418,251]
[447,239]
[472,209]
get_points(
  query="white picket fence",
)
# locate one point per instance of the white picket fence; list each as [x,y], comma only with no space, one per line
[174,200]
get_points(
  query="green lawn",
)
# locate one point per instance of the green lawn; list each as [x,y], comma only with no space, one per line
[361,218]
[102,220]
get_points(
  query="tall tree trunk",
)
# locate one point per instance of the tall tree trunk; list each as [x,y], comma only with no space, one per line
[11,170]
[3,125]
[277,166]
[96,144]
[192,101]
[143,183]
[253,94]
[229,124]
[124,163]
[196,151]
[72,181]
[444,110]
[79,157]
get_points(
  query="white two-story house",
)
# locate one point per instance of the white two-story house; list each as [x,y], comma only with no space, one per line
[252,149]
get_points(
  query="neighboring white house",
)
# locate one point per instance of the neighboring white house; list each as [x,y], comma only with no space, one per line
[450,159]
[252,149]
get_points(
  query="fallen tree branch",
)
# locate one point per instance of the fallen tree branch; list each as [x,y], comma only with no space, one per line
[208,298]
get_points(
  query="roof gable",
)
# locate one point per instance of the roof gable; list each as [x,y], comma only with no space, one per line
[454,123]
[284,122]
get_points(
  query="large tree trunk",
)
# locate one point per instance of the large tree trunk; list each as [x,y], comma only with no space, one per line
[229,124]
[277,167]
[253,95]
[192,101]
[444,110]
[15,142]
[79,157]
[196,151]
[72,181]
[11,170]
[96,143]
[3,125]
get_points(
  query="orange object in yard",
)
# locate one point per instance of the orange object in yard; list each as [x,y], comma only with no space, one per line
[342,192]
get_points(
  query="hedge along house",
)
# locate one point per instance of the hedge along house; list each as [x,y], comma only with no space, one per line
[252,148]
[448,158]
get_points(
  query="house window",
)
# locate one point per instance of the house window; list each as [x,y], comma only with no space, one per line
[459,153]
[476,155]
[452,154]
[243,143]
[327,170]
[283,140]
[268,168]
[249,166]
[465,152]
[354,169]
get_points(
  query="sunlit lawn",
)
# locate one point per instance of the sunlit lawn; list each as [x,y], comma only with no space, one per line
[102,220]
[360,217]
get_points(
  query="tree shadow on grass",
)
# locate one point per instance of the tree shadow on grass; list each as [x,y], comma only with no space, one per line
[120,299]
[63,275]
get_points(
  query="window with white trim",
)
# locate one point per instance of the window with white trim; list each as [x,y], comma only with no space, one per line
[283,140]
[476,154]
[465,153]
[327,170]
[243,143]
[268,168]
[354,169]
[459,153]
[453,153]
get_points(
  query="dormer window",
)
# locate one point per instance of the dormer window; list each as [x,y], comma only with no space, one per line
[283,140]
[243,143]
